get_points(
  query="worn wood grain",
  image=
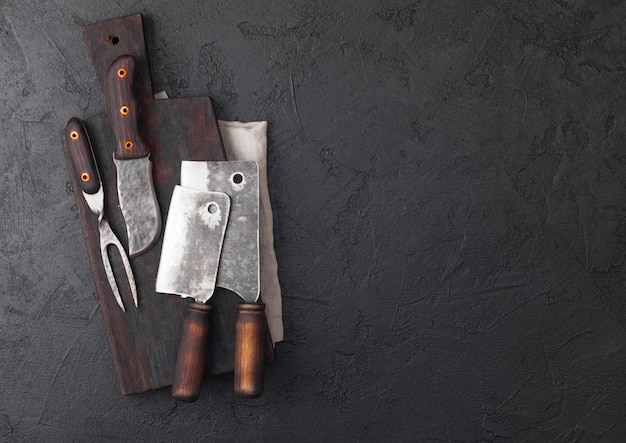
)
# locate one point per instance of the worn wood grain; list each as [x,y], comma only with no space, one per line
[250,334]
[191,358]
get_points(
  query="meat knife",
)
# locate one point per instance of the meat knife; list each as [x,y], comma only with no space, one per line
[135,188]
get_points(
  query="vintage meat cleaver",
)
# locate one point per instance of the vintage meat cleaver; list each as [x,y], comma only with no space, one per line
[192,244]
[233,257]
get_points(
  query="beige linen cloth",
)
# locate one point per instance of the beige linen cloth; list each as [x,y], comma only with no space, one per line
[248,142]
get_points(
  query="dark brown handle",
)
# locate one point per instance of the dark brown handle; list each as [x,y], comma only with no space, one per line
[192,353]
[250,335]
[81,154]
[123,108]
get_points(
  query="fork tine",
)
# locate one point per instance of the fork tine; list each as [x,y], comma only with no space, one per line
[110,276]
[108,238]
[129,272]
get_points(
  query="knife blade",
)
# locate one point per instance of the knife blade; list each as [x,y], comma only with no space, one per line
[135,188]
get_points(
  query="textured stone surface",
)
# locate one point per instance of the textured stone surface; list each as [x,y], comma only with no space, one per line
[449,187]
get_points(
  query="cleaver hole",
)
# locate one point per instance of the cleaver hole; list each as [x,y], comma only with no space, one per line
[237,178]
[212,208]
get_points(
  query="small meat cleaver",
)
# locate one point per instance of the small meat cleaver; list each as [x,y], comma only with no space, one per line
[190,257]
[195,259]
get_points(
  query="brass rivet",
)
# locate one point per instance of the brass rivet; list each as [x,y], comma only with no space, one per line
[121,73]
[129,145]
[74,135]
[85,177]
[124,110]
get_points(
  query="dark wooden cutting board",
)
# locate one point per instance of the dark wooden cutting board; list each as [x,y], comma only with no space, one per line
[144,340]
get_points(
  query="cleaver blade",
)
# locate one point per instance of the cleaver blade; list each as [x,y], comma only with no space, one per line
[239,262]
[192,243]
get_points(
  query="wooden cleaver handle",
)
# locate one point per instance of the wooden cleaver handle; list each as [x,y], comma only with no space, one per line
[192,353]
[250,350]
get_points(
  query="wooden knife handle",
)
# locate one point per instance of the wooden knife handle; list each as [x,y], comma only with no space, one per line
[250,336]
[81,154]
[123,108]
[192,353]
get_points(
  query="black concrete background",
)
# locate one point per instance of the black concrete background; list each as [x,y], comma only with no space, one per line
[449,187]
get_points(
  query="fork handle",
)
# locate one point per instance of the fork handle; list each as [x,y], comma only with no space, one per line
[81,154]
